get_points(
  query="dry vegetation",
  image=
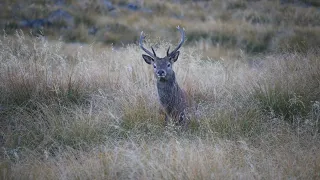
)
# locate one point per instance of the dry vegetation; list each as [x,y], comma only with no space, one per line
[76,111]
[257,26]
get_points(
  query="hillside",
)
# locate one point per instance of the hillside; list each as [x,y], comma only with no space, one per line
[254,26]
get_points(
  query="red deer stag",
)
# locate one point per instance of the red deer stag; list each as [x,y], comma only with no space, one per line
[172,97]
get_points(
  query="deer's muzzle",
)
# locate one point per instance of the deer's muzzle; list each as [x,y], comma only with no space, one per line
[161,73]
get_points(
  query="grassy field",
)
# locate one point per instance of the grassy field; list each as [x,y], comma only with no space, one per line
[90,111]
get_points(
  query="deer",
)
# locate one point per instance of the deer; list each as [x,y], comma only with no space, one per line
[172,98]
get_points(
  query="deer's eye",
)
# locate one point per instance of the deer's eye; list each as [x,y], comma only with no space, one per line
[168,65]
[154,66]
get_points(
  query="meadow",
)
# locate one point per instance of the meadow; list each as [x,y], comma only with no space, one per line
[89,110]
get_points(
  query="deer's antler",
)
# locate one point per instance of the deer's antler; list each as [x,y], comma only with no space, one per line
[182,33]
[144,49]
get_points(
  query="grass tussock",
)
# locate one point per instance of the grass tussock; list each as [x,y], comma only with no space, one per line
[84,112]
[295,90]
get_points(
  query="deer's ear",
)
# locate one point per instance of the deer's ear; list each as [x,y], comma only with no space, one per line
[174,56]
[147,59]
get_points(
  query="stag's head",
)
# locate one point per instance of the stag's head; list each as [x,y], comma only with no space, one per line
[162,66]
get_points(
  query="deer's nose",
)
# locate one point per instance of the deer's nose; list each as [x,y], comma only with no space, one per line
[161,73]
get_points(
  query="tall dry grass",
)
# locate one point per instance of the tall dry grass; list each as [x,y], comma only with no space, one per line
[92,113]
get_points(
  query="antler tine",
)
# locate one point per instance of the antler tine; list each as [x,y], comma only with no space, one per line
[168,51]
[182,33]
[144,49]
[154,53]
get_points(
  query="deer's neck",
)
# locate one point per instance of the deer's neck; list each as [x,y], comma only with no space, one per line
[167,90]
[167,85]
